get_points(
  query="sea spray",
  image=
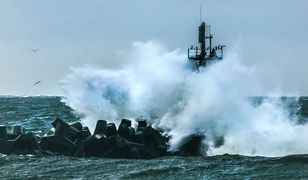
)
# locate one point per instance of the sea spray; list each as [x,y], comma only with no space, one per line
[146,87]
[159,85]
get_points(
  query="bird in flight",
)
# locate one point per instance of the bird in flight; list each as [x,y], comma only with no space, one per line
[36,83]
[34,50]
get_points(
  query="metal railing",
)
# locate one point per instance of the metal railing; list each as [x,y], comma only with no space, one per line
[193,53]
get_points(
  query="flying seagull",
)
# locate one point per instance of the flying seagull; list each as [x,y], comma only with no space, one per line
[37,83]
[34,50]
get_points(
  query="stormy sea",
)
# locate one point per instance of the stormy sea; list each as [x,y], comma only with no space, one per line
[35,114]
[262,134]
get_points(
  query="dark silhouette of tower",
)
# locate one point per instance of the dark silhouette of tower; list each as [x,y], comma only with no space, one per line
[204,52]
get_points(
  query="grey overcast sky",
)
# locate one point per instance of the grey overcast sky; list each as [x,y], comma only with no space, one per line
[272,36]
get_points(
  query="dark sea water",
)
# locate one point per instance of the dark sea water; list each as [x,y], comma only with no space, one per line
[36,113]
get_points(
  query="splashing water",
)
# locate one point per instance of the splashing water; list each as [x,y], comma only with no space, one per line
[159,85]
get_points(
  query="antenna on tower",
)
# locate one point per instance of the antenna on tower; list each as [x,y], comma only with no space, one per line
[200,13]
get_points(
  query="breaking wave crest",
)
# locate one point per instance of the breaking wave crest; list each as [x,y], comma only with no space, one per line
[159,85]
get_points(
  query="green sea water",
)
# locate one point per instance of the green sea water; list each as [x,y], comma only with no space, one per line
[36,113]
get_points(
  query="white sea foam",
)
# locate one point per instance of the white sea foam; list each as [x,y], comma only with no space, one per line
[159,85]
